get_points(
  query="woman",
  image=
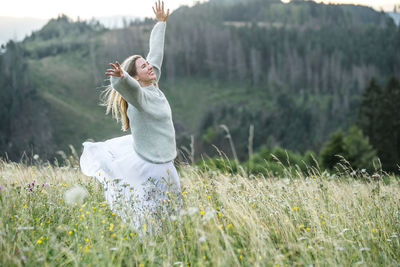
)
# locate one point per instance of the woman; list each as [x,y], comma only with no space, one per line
[137,170]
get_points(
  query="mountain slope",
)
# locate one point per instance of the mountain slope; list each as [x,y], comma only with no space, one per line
[295,71]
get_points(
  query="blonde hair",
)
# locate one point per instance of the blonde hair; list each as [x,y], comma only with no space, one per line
[114,101]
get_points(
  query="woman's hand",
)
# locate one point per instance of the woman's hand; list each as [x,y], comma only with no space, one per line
[116,70]
[159,11]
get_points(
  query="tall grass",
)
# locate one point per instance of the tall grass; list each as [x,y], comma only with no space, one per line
[226,220]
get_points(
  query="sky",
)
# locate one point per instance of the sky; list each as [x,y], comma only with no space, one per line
[87,9]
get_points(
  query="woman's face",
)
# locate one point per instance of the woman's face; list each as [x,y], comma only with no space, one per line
[144,71]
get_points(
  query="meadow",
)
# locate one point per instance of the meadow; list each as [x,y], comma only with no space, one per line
[319,219]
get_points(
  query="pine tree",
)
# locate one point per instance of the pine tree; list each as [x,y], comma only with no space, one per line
[368,117]
[379,119]
[389,127]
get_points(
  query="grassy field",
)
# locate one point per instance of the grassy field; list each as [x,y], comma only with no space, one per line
[226,220]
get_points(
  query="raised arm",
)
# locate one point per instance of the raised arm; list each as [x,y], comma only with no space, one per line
[128,87]
[156,53]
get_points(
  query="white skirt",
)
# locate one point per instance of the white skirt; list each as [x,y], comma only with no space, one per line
[142,193]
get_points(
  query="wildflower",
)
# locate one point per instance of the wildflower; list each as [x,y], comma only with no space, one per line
[229,225]
[75,195]
[86,239]
[70,232]
[373,230]
[208,214]
[39,241]
[192,210]
[202,238]
[30,188]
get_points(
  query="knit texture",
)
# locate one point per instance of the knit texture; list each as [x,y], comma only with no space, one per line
[149,112]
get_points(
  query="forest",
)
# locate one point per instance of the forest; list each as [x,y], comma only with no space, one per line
[303,77]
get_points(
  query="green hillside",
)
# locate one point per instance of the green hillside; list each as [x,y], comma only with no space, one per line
[295,71]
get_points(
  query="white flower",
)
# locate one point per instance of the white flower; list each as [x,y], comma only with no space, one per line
[192,210]
[202,238]
[182,213]
[76,194]
[209,214]
[36,157]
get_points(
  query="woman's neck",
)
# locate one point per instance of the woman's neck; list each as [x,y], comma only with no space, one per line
[145,84]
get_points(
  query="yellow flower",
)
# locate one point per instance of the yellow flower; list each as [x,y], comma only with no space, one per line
[239,250]
[86,239]
[373,230]
[202,212]
[39,241]
[229,225]
[70,232]
[308,228]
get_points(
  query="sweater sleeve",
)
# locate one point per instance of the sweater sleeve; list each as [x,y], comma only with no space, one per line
[129,89]
[156,53]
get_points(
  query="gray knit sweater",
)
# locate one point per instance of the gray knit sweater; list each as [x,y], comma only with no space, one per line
[149,112]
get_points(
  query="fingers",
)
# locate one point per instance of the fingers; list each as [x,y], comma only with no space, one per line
[162,8]
[154,11]
[167,14]
[116,70]
[110,73]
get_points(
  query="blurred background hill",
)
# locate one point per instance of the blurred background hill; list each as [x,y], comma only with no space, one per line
[297,72]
